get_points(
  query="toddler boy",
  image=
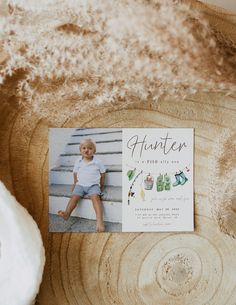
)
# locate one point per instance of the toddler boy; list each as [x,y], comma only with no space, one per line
[89,178]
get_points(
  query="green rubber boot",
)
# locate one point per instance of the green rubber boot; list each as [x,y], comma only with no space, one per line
[160,183]
[184,178]
[167,182]
[178,181]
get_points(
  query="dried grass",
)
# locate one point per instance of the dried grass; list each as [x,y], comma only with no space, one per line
[82,53]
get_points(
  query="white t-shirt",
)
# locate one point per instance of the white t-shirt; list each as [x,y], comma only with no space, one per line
[88,173]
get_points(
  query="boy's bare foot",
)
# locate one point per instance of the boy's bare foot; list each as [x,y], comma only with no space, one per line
[63,214]
[100,227]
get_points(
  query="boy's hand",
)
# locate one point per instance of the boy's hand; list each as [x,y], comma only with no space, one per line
[102,191]
[73,187]
[75,181]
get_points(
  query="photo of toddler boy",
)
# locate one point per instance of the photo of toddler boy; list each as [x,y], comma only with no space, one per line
[89,177]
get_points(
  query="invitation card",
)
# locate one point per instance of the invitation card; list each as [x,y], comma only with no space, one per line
[121,179]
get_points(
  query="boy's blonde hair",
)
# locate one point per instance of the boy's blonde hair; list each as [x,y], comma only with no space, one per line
[88,141]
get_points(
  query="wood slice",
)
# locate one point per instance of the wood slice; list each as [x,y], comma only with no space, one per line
[112,268]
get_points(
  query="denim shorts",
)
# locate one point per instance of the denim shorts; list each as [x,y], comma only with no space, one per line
[86,190]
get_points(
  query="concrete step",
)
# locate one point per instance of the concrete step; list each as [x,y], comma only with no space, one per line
[91,131]
[75,224]
[102,136]
[112,210]
[114,158]
[64,175]
[112,202]
[102,146]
